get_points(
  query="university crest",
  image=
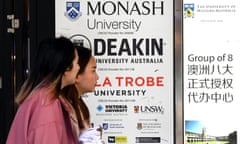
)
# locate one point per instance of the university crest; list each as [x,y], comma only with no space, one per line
[189,10]
[73,10]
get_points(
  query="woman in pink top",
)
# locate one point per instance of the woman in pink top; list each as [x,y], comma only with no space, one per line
[85,82]
[41,117]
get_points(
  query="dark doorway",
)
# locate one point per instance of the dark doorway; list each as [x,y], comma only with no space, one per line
[23,24]
[6,69]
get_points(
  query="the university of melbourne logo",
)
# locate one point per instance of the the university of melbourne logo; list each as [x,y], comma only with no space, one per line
[72,10]
[189,10]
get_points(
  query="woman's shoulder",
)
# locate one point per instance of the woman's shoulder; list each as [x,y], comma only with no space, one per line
[42,104]
[38,97]
[35,113]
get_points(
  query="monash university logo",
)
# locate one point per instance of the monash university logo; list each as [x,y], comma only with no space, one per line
[189,10]
[72,10]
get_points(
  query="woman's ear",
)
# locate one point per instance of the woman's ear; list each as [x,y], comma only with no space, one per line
[78,78]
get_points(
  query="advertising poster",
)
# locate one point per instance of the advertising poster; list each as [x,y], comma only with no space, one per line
[211,49]
[132,41]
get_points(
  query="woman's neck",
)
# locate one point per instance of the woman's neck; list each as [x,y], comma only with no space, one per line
[80,92]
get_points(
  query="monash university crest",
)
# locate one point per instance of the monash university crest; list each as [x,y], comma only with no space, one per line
[72,10]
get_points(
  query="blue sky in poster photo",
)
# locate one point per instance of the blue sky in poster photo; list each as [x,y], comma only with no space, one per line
[193,126]
[214,128]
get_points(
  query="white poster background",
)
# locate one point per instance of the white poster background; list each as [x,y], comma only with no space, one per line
[137,111]
[211,47]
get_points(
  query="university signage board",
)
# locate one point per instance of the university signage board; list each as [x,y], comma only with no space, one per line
[133,43]
[211,71]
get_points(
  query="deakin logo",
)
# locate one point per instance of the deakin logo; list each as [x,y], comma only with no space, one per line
[81,40]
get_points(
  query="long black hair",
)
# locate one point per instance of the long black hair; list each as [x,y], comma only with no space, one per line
[54,57]
[71,93]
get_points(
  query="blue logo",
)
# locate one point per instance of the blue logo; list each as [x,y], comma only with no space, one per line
[105,126]
[189,10]
[72,10]
[99,107]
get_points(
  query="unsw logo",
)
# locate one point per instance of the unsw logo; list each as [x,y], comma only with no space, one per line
[149,109]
